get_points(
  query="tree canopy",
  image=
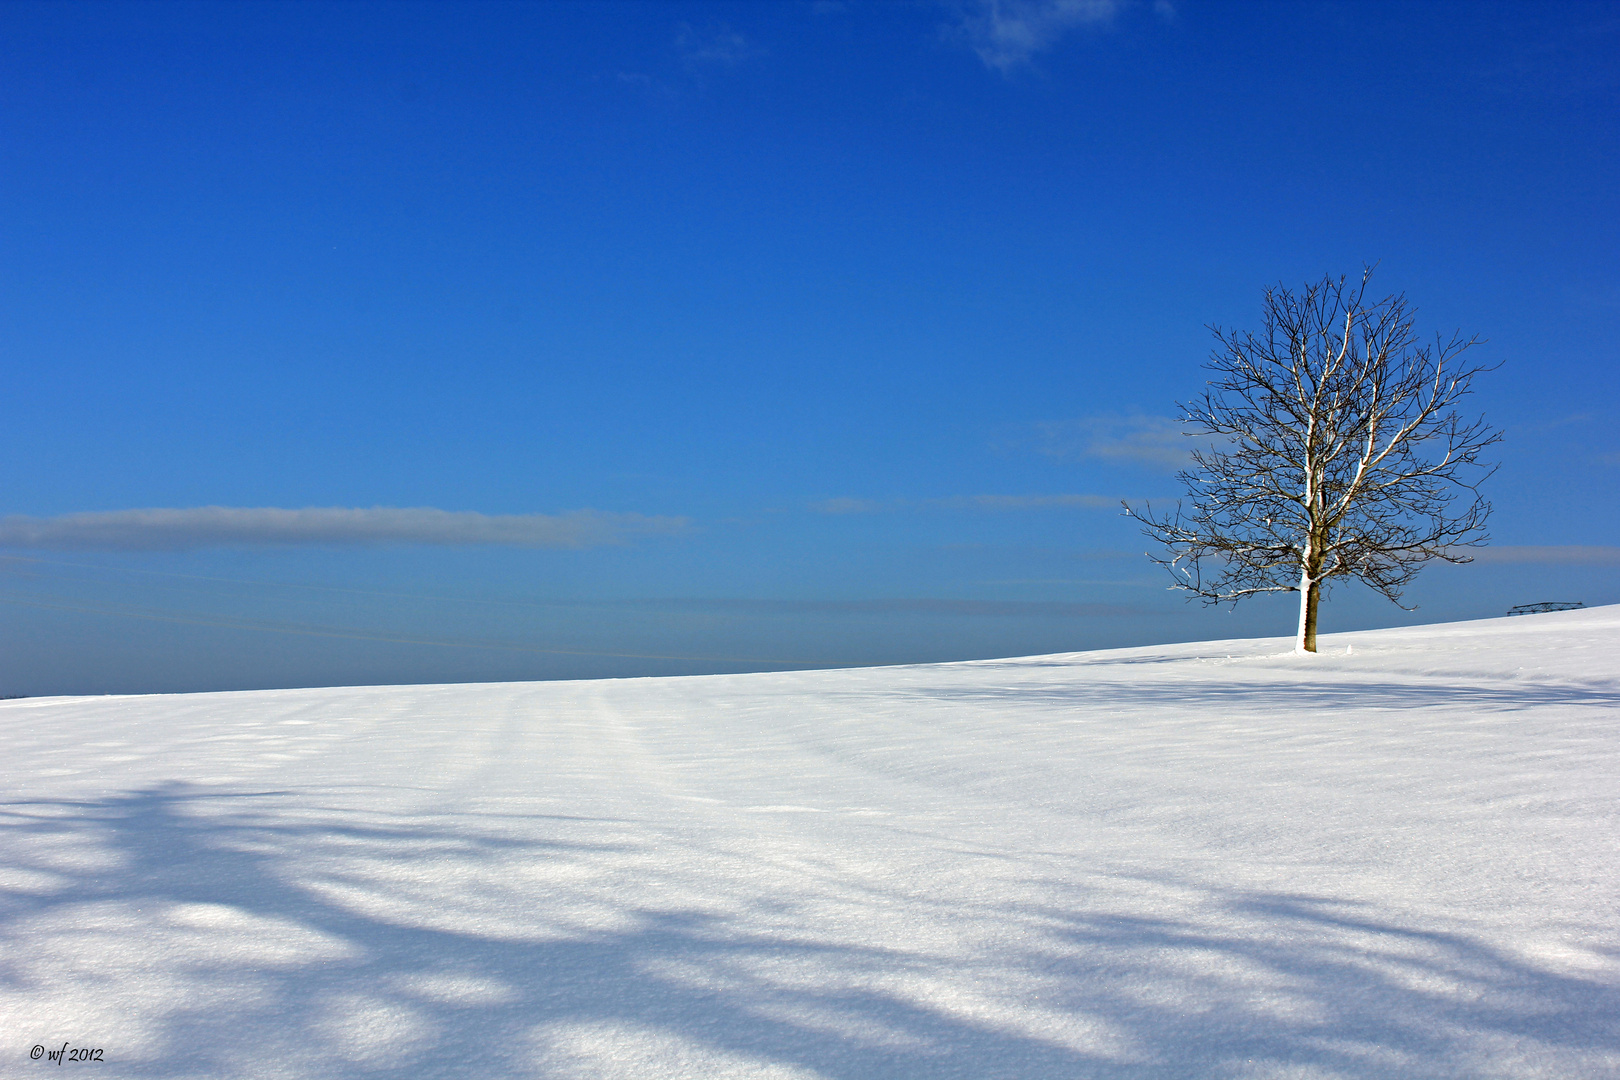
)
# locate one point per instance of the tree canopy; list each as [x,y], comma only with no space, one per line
[1337,450]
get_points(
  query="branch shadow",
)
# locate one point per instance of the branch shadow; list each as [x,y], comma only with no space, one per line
[1299,696]
[1327,984]
[240,928]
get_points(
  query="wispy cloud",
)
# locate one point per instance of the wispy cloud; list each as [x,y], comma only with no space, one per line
[1022,502]
[1067,581]
[714,45]
[967,502]
[849,506]
[1549,555]
[1571,420]
[1008,33]
[226,526]
[904,606]
[1156,441]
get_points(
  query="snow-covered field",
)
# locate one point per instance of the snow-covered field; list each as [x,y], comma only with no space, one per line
[1211,860]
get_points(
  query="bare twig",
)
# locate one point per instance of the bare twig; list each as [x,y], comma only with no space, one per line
[1339,453]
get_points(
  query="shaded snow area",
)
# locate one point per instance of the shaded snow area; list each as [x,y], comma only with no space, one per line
[1397,858]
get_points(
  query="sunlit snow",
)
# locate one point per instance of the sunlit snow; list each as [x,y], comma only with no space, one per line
[1209,860]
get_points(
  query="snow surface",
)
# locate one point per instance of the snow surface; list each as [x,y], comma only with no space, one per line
[1209,860]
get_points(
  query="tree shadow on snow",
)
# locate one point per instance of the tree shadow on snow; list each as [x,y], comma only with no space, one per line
[369,981]
[1298,697]
[1328,985]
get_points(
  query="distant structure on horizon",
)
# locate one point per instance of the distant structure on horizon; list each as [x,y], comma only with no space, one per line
[1546,605]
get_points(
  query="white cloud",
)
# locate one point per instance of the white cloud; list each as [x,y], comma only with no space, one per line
[967,502]
[1553,425]
[226,526]
[1157,441]
[1550,554]
[1008,33]
[1023,502]
[718,44]
[907,606]
[847,506]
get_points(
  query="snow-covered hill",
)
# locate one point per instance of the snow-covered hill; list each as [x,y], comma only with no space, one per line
[1398,858]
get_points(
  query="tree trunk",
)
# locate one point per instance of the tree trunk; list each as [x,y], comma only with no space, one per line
[1310,595]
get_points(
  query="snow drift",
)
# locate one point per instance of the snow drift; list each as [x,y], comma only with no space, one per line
[1396,858]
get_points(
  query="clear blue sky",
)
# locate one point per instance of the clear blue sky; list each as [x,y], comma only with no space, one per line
[848,323]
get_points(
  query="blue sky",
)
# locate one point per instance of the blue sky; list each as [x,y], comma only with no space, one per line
[570,340]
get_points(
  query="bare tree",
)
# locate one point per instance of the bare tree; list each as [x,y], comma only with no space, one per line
[1337,451]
